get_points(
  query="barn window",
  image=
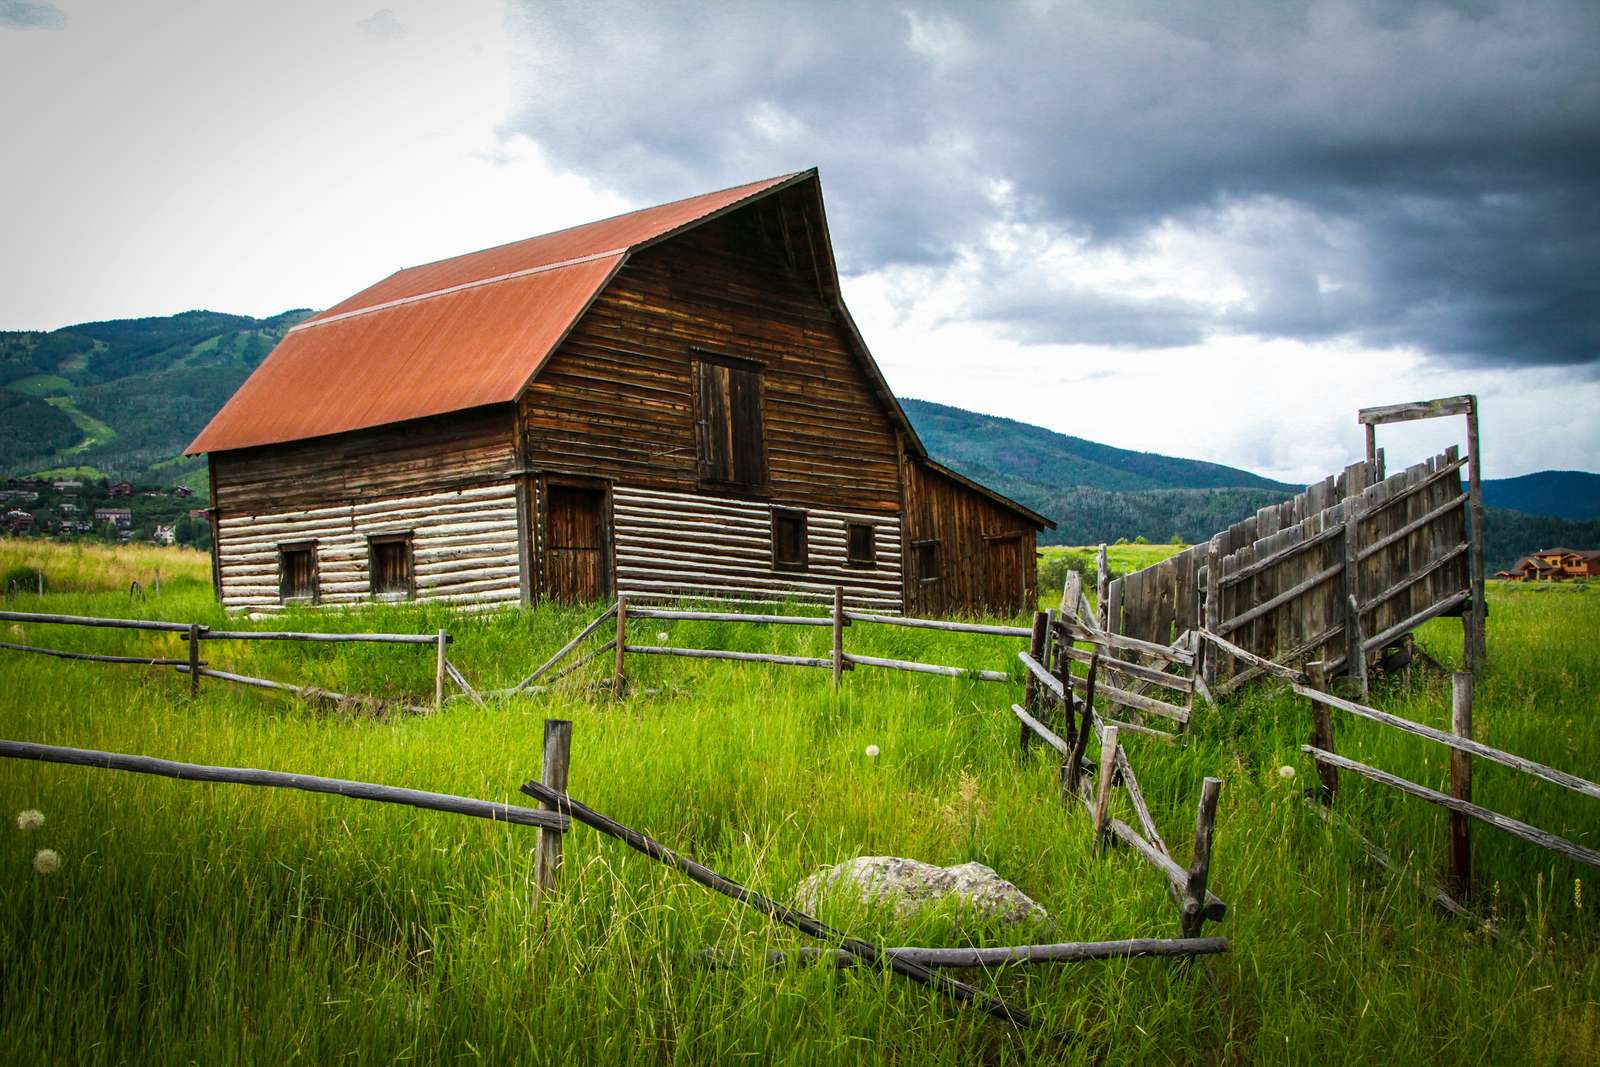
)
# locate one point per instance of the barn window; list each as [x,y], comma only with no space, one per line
[862,548]
[390,562]
[728,430]
[926,557]
[297,572]
[789,540]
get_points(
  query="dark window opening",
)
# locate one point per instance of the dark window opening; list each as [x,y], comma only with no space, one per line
[729,436]
[789,540]
[391,565]
[297,572]
[927,560]
[863,544]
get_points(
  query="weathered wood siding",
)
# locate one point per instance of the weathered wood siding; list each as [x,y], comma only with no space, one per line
[464,547]
[676,545]
[617,400]
[986,552]
[447,481]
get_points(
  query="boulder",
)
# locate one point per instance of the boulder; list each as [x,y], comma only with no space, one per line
[908,886]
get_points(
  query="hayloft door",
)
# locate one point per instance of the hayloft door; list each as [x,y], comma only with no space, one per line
[1004,578]
[576,543]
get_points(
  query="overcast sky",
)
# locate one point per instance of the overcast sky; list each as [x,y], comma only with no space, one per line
[1210,230]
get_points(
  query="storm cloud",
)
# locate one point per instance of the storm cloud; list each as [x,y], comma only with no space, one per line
[1411,175]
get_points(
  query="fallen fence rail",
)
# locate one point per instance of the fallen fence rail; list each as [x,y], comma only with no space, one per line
[96,657]
[305,692]
[1065,952]
[868,953]
[308,783]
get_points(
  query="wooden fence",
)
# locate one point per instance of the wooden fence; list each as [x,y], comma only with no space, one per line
[1462,750]
[1337,573]
[839,660]
[196,634]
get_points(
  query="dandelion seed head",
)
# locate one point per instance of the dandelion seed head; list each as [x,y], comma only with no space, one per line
[661,636]
[30,819]
[47,861]
[1286,772]
[872,751]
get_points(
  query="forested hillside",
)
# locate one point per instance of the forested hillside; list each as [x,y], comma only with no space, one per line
[123,398]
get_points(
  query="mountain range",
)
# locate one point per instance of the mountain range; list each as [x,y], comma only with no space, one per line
[122,398]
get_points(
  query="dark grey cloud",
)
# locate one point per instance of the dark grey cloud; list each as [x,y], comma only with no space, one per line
[31,15]
[1404,173]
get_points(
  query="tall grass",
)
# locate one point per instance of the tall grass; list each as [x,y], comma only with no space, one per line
[215,923]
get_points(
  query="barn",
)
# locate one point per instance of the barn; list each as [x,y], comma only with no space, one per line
[669,404]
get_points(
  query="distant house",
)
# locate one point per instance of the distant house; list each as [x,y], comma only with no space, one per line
[1556,565]
[120,517]
[18,520]
[672,403]
[67,485]
[181,491]
[165,534]
[121,489]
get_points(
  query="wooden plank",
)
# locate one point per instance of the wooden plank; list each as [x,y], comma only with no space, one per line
[1453,504]
[726,616]
[1138,701]
[1456,743]
[305,692]
[286,635]
[1067,952]
[1413,578]
[1049,736]
[1543,838]
[1079,632]
[1406,626]
[1274,559]
[718,653]
[1152,675]
[939,624]
[1194,893]
[89,620]
[96,657]
[1214,910]
[564,650]
[1263,664]
[926,668]
[195,772]
[1421,409]
[1136,795]
[869,954]
[1461,782]
[1227,626]
[1108,768]
[1476,637]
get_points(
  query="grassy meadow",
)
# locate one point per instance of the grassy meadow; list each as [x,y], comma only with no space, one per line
[220,923]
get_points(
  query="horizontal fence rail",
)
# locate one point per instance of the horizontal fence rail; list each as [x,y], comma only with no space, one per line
[1066,952]
[308,783]
[1515,827]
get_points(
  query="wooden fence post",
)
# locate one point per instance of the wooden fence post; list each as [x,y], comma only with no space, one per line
[158,581]
[1322,734]
[1461,783]
[553,773]
[619,678]
[1108,770]
[1072,765]
[194,659]
[1030,687]
[1355,663]
[1208,669]
[438,671]
[1194,893]
[1474,621]
[1102,582]
[838,636]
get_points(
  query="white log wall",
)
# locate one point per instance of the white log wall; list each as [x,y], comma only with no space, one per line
[676,545]
[464,548]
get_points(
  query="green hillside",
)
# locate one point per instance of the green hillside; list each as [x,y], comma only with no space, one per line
[1563,494]
[123,398]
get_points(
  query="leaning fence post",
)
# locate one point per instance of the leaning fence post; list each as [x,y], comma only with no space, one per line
[1194,892]
[1461,782]
[1030,686]
[619,678]
[1102,582]
[1108,770]
[1072,766]
[1322,733]
[553,773]
[438,672]
[194,659]
[838,636]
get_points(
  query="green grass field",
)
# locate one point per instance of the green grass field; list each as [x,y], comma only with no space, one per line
[218,923]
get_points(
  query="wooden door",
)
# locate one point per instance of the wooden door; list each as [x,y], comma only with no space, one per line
[577,557]
[1005,578]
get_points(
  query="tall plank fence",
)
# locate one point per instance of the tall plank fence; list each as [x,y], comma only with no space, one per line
[1336,573]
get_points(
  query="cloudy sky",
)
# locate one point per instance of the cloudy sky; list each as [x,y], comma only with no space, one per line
[1211,230]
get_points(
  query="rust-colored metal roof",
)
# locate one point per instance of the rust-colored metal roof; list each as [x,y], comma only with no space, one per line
[445,336]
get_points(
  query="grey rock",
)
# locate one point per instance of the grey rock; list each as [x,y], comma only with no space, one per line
[908,886]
